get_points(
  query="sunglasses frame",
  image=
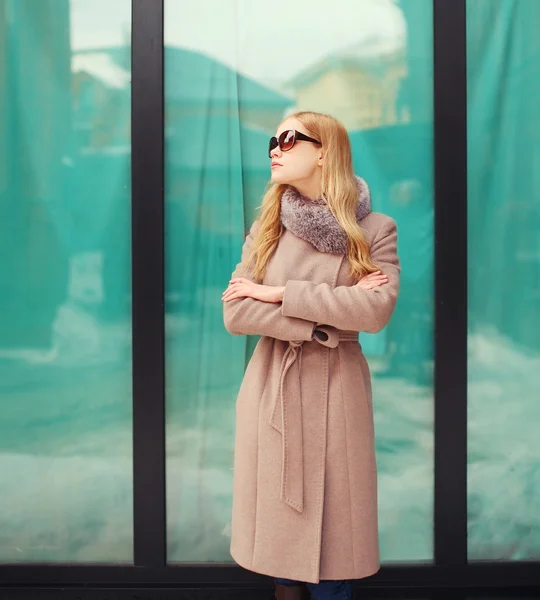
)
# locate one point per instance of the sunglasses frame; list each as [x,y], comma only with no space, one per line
[276,142]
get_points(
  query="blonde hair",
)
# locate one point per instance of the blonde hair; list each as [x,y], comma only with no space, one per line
[338,188]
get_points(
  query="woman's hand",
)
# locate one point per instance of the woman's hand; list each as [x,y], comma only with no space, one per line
[241,287]
[245,288]
[373,280]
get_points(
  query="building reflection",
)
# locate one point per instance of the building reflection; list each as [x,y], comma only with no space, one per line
[217,126]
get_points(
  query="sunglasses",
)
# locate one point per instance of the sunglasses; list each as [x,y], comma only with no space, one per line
[287,140]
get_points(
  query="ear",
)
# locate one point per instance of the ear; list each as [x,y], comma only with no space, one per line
[321,159]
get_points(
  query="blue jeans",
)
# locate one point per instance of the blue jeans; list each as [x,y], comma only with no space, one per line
[325,589]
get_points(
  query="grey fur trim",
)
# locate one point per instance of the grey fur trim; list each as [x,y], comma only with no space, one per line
[312,221]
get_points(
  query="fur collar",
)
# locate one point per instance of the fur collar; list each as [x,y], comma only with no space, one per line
[312,221]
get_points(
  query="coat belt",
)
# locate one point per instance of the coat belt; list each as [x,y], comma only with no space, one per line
[287,413]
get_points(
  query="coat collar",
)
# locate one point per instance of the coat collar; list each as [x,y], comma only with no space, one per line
[312,221]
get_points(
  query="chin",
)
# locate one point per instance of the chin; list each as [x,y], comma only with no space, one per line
[277,177]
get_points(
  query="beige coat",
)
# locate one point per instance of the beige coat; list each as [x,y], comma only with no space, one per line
[305,475]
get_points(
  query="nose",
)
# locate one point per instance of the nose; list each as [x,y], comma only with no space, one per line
[275,152]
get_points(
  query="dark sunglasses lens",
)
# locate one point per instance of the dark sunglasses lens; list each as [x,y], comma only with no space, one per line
[286,140]
[272,144]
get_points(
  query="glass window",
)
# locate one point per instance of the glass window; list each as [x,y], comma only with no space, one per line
[504,279]
[230,81]
[65,320]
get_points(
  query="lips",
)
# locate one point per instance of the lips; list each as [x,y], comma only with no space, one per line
[275,164]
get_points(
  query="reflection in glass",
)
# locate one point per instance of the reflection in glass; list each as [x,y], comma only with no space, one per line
[504,279]
[229,83]
[65,318]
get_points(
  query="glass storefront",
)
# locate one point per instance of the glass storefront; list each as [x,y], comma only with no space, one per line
[66,430]
[228,84]
[504,279]
[66,483]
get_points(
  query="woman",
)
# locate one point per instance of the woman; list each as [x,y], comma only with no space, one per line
[317,267]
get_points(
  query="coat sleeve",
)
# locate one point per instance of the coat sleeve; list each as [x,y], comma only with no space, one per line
[350,307]
[247,316]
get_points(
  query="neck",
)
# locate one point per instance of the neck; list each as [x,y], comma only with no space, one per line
[309,188]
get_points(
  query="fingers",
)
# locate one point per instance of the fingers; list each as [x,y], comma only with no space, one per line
[235,290]
[230,291]
[375,275]
[371,285]
[377,278]
[233,296]
[372,280]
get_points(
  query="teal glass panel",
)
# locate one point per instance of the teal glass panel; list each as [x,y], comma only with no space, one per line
[504,279]
[65,311]
[230,80]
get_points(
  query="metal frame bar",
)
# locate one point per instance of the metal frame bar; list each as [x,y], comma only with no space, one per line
[148,261]
[425,580]
[450,162]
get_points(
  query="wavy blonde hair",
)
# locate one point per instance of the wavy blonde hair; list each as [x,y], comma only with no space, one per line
[338,188]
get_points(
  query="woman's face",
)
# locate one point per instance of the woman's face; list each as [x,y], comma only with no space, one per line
[301,164]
